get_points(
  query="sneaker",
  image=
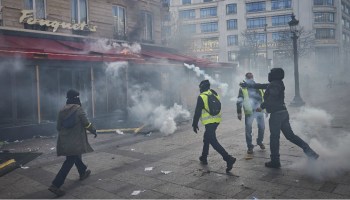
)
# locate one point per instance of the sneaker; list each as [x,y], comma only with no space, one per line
[250,151]
[203,160]
[56,191]
[312,155]
[86,174]
[273,164]
[231,160]
[262,146]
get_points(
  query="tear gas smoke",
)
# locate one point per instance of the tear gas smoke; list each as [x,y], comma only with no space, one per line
[105,45]
[222,86]
[332,146]
[146,109]
[146,104]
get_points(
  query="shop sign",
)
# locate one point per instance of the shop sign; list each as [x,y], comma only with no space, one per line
[27,17]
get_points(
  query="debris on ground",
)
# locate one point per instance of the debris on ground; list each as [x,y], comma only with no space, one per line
[137,192]
[148,168]
[166,172]
[119,132]
[24,167]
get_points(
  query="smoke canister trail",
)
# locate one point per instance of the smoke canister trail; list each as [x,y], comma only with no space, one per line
[222,86]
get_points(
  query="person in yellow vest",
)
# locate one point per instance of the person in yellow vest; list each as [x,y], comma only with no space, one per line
[211,123]
[250,99]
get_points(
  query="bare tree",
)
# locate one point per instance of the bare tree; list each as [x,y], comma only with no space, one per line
[249,47]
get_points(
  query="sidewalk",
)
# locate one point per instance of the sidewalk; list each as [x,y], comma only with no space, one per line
[119,161]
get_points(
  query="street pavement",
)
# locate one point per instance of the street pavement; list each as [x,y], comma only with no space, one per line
[119,166]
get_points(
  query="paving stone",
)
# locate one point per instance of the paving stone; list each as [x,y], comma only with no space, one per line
[298,182]
[220,188]
[343,190]
[301,193]
[139,180]
[179,191]
[88,192]
[328,187]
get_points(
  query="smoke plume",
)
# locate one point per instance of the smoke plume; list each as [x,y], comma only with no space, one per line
[333,146]
[222,86]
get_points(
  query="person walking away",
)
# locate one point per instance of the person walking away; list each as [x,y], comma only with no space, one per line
[250,99]
[72,140]
[279,118]
[211,122]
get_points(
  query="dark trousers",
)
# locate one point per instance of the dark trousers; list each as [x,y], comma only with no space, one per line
[279,121]
[66,167]
[210,138]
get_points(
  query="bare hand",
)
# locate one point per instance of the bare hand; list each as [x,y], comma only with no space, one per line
[239,116]
[258,109]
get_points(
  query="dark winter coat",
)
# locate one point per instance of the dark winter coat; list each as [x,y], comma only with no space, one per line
[273,97]
[73,141]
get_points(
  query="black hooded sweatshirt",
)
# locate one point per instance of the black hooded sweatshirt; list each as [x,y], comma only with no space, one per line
[273,97]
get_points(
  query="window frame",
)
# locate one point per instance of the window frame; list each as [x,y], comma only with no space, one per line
[257,9]
[229,43]
[254,20]
[235,27]
[320,35]
[323,3]
[211,24]
[34,9]
[279,18]
[191,14]
[78,12]
[186,2]
[285,2]
[145,36]
[227,9]
[229,56]
[328,16]
[208,12]
[205,42]
[114,20]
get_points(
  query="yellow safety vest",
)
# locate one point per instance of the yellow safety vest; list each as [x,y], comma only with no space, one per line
[206,118]
[247,106]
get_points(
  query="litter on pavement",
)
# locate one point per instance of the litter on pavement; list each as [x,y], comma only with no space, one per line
[148,168]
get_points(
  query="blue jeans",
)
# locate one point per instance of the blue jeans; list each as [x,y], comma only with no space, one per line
[259,116]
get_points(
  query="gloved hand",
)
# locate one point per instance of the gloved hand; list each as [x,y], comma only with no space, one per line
[94,132]
[195,128]
[243,84]
[258,109]
[239,116]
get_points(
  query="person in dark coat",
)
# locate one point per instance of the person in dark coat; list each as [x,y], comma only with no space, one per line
[211,123]
[279,118]
[72,140]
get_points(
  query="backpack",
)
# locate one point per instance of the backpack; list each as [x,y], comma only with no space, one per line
[214,104]
[69,121]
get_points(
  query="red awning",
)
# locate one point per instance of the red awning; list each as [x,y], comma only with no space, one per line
[41,48]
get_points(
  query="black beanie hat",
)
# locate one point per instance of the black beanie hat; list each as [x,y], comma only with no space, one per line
[276,74]
[72,94]
[204,84]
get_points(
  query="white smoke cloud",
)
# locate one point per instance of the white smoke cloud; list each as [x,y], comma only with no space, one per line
[223,86]
[333,146]
[113,68]
[147,110]
[102,44]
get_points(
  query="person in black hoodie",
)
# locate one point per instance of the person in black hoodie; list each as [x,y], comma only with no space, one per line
[211,123]
[279,118]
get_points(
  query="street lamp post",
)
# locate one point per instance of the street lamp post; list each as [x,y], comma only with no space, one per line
[266,58]
[293,24]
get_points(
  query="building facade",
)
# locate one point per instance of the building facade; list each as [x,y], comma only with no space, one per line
[232,30]
[103,48]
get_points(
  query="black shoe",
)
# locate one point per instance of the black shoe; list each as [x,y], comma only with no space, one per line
[273,164]
[250,151]
[86,174]
[231,160]
[203,160]
[56,191]
[311,154]
[262,146]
